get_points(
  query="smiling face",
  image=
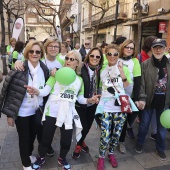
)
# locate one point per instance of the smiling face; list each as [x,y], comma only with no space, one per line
[94,58]
[158,52]
[128,50]
[112,57]
[34,55]
[52,49]
[71,61]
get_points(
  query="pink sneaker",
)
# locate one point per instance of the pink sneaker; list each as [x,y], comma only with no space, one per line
[100,164]
[112,160]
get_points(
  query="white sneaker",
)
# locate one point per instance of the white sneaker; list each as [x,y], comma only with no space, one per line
[33,159]
[122,147]
[27,168]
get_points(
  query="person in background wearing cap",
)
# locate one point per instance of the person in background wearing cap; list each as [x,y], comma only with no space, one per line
[154,95]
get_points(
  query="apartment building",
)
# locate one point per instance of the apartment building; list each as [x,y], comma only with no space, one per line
[155,20]
[36,24]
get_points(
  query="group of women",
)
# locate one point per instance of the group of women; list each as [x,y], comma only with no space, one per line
[95,90]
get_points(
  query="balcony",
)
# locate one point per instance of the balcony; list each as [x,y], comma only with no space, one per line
[110,15]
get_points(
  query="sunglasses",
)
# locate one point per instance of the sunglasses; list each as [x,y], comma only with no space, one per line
[129,48]
[94,56]
[113,54]
[71,59]
[36,52]
[86,43]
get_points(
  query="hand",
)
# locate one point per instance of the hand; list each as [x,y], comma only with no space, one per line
[31,90]
[10,121]
[19,65]
[94,99]
[53,71]
[137,104]
[142,105]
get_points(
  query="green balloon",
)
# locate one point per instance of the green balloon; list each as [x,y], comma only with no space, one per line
[165,119]
[65,76]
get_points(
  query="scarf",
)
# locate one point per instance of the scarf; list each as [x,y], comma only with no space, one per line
[33,72]
[160,65]
[126,58]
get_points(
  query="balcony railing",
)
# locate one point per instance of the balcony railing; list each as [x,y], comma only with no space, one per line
[109,15]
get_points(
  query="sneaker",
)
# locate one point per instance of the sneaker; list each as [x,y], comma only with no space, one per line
[153,136]
[122,147]
[38,163]
[64,164]
[138,148]
[100,164]
[130,133]
[76,153]
[161,155]
[50,151]
[84,147]
[112,160]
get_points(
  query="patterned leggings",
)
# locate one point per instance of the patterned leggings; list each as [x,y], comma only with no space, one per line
[111,128]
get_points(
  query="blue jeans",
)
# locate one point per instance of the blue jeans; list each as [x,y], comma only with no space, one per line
[146,116]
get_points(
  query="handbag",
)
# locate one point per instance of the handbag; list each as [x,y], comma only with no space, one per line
[125,104]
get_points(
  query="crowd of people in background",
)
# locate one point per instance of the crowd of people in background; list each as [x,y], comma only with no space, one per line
[113,85]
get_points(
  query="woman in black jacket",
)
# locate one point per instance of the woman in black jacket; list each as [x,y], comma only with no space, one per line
[18,105]
[90,74]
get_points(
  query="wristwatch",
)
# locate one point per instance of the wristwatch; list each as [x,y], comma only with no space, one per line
[124,80]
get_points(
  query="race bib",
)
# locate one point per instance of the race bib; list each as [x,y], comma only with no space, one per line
[109,83]
[68,95]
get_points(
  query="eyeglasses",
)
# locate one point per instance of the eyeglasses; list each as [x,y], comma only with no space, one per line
[94,56]
[129,48]
[158,48]
[87,43]
[71,59]
[36,52]
[51,47]
[113,54]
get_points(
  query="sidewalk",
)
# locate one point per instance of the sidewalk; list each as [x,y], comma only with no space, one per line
[10,159]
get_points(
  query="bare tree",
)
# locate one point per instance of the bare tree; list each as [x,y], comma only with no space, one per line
[104,7]
[14,8]
[3,51]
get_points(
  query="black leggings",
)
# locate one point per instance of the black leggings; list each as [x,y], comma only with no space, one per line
[86,117]
[26,133]
[48,131]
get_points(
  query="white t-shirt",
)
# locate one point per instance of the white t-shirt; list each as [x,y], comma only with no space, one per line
[51,64]
[28,106]
[60,92]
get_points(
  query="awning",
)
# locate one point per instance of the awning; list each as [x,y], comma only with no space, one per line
[152,18]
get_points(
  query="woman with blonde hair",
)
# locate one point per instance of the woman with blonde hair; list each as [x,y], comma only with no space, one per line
[18,105]
[60,111]
[10,49]
[128,58]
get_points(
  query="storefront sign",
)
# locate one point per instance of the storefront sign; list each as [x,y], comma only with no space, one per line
[162,27]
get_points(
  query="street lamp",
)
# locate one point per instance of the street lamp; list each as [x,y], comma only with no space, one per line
[27,31]
[116,16]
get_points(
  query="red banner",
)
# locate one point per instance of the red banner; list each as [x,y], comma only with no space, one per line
[162,27]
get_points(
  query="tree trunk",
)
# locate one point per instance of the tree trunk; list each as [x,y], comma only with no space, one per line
[3,50]
[97,29]
[9,28]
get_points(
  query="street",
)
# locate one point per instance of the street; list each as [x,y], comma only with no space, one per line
[10,158]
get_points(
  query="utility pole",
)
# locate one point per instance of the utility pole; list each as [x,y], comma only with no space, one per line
[116,16]
[139,7]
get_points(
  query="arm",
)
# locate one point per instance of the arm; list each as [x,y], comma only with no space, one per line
[136,88]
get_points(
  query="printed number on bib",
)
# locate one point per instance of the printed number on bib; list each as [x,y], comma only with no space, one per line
[67,96]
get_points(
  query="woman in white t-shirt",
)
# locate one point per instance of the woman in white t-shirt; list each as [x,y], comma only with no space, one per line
[117,76]
[60,111]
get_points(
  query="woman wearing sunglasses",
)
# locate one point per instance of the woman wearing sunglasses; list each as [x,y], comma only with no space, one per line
[111,116]
[90,74]
[18,105]
[128,58]
[60,112]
